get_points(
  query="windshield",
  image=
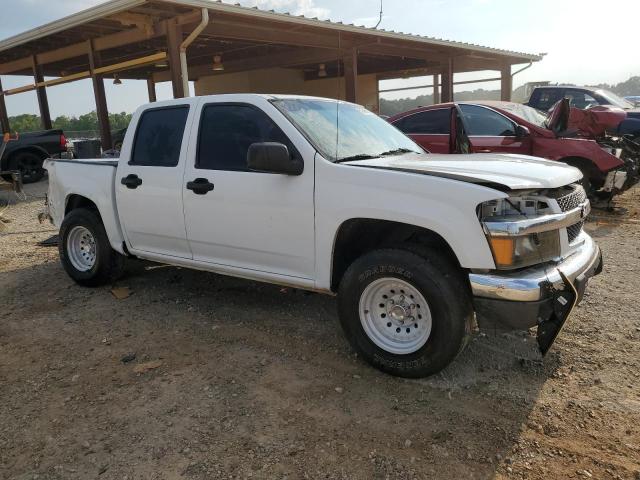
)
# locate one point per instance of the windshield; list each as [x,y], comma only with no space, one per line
[527,113]
[343,131]
[615,100]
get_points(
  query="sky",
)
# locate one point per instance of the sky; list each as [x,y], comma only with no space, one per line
[580,48]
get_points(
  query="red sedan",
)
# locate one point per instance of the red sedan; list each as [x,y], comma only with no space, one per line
[506,127]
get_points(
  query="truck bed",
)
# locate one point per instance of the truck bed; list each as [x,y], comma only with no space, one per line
[69,178]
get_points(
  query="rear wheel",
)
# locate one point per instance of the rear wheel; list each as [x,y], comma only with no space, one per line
[85,252]
[29,165]
[407,314]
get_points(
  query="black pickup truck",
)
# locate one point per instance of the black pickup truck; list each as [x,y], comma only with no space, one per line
[27,153]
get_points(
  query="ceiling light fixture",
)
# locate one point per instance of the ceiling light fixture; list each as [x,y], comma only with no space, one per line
[322,70]
[217,64]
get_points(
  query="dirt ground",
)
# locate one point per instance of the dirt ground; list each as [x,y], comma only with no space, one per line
[255,381]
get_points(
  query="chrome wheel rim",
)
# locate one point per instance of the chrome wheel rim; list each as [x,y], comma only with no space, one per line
[395,316]
[81,249]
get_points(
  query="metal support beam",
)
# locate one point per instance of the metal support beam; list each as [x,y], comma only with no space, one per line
[506,83]
[350,62]
[41,92]
[447,82]
[436,89]
[4,116]
[174,39]
[101,98]
[151,87]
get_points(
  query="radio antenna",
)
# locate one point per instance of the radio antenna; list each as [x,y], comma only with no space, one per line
[379,21]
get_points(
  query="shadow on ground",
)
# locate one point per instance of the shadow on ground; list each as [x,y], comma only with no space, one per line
[255,380]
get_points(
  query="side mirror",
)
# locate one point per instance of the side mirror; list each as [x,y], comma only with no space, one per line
[522,131]
[271,157]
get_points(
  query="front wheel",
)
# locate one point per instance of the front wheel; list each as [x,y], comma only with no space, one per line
[85,252]
[407,314]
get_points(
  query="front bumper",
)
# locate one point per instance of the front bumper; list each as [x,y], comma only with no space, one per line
[542,296]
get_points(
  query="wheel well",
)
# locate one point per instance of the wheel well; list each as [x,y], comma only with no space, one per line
[586,166]
[358,236]
[36,151]
[78,201]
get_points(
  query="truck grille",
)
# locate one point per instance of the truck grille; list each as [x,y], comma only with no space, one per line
[574,230]
[569,198]
[569,201]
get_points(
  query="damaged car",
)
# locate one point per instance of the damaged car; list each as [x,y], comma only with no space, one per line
[580,138]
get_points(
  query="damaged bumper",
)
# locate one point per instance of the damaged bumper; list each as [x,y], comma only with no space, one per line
[541,296]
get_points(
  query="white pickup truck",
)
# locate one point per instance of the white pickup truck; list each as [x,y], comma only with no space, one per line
[325,196]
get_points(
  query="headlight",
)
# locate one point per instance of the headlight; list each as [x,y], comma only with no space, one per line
[512,225]
[523,251]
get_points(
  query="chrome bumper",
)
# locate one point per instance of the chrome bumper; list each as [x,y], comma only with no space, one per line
[536,283]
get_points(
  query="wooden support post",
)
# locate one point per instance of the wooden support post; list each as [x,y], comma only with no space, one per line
[351,76]
[506,83]
[101,98]
[436,89]
[447,82]
[41,92]
[174,39]
[151,87]
[4,116]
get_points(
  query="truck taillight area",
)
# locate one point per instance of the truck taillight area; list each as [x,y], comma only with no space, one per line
[63,142]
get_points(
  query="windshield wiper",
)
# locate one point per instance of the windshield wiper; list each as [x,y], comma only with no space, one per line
[366,156]
[360,156]
[397,151]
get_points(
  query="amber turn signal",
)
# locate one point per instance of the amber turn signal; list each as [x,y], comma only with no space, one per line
[503,249]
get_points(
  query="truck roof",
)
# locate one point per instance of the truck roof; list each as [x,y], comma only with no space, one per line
[235,97]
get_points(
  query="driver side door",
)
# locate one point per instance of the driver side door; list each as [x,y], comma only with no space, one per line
[246,220]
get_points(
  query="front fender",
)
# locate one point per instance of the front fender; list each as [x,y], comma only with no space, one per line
[444,206]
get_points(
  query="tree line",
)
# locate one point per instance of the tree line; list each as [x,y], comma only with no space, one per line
[88,122]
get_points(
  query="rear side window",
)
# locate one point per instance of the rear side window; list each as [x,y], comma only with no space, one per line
[481,121]
[431,122]
[159,137]
[544,99]
[580,99]
[227,132]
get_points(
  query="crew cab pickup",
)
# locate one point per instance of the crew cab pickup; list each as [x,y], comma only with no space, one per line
[325,196]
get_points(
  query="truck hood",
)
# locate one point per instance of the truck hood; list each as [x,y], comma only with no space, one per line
[502,172]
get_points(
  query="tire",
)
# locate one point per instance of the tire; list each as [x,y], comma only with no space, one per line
[447,319]
[85,252]
[29,165]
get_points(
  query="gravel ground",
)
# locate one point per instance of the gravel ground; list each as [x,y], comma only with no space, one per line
[235,379]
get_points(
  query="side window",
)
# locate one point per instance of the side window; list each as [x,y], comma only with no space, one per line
[579,99]
[431,122]
[227,132]
[547,98]
[481,121]
[159,137]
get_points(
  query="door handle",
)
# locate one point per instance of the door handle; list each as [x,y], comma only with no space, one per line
[132,181]
[200,186]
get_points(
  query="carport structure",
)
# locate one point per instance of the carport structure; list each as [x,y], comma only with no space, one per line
[227,48]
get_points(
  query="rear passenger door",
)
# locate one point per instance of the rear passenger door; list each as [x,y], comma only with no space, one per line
[431,129]
[149,184]
[253,221]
